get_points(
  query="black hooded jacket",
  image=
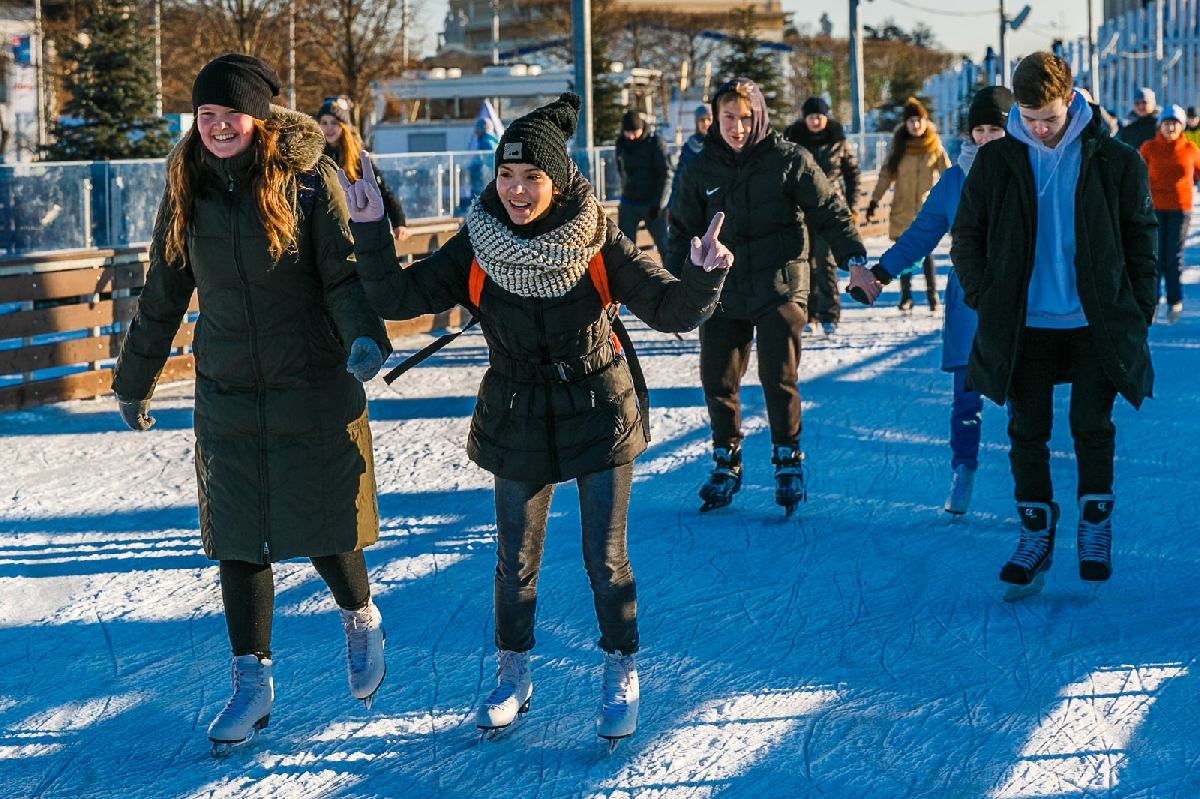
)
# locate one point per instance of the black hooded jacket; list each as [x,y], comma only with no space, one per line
[994,236]
[832,153]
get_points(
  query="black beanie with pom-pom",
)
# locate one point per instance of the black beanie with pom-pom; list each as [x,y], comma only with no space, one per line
[540,138]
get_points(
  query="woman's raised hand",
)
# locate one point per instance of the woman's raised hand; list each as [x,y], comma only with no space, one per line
[362,197]
[709,253]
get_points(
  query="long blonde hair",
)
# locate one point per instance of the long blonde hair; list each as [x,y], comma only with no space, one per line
[272,183]
[348,150]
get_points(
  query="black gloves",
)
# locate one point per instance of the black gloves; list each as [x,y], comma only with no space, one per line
[871,209]
[135,413]
[653,212]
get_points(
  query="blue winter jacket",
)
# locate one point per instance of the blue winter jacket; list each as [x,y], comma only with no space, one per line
[918,240]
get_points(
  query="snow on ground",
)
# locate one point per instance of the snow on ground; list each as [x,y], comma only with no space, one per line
[860,649]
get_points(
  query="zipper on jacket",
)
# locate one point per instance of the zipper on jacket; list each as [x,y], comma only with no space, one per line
[260,389]
[540,323]
[593,393]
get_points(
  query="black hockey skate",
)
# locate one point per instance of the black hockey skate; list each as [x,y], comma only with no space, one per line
[1026,569]
[724,481]
[790,489]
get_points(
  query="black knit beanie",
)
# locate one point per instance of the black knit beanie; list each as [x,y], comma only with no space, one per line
[631,121]
[241,82]
[814,105]
[337,107]
[540,138]
[990,107]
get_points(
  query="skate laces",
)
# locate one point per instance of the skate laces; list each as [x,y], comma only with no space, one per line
[961,483]
[358,625]
[249,677]
[1032,547]
[510,667]
[617,678]
[1095,539]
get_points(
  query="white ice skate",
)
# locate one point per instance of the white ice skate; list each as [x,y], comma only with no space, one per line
[961,486]
[364,651]
[510,697]
[248,710]
[620,696]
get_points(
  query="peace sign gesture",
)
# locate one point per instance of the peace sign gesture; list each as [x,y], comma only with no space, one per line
[709,253]
[362,198]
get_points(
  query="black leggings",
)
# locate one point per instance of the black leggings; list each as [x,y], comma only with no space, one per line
[248,591]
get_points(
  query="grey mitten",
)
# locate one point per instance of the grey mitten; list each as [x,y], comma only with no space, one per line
[365,359]
[135,413]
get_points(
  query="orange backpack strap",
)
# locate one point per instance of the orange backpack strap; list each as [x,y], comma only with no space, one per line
[475,282]
[599,275]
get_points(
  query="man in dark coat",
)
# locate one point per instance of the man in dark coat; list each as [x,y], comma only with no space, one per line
[824,138]
[1054,243]
[768,189]
[1144,124]
[645,170]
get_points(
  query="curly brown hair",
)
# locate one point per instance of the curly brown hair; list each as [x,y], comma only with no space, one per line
[273,186]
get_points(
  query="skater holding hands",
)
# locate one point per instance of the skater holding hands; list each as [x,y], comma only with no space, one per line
[986,119]
[1054,243]
[253,219]
[540,265]
[772,193]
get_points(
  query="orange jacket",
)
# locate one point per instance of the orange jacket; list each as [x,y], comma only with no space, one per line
[1173,165]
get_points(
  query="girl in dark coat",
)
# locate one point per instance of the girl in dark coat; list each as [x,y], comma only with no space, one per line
[558,401]
[253,220]
[343,145]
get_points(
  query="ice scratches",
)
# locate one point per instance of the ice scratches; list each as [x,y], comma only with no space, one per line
[50,731]
[406,725]
[720,742]
[289,785]
[1080,745]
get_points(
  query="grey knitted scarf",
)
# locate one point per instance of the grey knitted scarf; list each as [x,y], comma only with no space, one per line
[545,266]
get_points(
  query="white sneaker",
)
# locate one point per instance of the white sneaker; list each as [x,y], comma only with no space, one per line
[1174,312]
[364,651]
[249,709]
[514,686]
[961,485]
[620,696]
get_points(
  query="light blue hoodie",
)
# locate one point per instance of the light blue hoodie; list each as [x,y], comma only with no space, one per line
[1053,300]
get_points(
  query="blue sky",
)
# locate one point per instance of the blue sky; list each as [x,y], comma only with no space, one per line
[966,26]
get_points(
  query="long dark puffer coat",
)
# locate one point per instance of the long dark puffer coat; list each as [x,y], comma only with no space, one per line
[994,234]
[832,153]
[529,424]
[283,450]
[767,193]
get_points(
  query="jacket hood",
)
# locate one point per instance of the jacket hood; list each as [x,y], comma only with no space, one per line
[760,125]
[1046,160]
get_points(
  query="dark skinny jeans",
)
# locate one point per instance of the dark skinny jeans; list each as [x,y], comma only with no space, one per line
[521,513]
[248,592]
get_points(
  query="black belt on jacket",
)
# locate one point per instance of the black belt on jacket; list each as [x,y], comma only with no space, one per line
[597,360]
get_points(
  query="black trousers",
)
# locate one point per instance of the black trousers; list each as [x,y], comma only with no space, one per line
[1060,356]
[248,592]
[824,301]
[931,295]
[724,356]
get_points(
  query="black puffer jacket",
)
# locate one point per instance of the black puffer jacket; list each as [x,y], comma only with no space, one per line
[283,448]
[994,235]
[645,169]
[529,423]
[767,193]
[832,153]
